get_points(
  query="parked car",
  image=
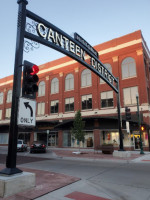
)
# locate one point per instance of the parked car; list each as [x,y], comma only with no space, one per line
[21,146]
[38,148]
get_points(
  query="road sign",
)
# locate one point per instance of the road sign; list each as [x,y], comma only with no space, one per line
[26,112]
[128,127]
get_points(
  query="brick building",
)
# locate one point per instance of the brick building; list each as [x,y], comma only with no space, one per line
[66,86]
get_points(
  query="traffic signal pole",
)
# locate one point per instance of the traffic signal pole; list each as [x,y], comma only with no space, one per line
[13,129]
[139,124]
[119,118]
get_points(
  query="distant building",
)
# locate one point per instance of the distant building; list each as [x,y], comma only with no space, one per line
[66,86]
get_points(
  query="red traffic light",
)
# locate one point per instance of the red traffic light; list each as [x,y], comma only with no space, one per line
[142,128]
[30,79]
[35,70]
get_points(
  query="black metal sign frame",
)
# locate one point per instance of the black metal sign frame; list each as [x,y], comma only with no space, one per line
[75,48]
[72,47]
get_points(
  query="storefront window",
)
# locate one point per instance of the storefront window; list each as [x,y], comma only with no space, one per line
[109,137]
[66,139]
[88,141]
[135,139]
[4,138]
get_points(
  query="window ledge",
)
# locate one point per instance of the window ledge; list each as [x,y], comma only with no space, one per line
[129,77]
[107,108]
[86,86]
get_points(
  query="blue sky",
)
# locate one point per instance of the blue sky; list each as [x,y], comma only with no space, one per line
[97,21]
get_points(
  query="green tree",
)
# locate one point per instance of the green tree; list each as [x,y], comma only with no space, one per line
[77,129]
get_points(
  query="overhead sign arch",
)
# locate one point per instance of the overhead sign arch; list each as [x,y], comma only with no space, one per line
[51,36]
[76,48]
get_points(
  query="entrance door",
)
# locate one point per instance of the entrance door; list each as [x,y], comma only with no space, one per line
[53,139]
[137,141]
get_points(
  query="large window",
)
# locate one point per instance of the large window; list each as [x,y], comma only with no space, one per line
[54,86]
[1,97]
[41,108]
[41,89]
[0,114]
[86,78]
[9,96]
[107,99]
[128,68]
[69,104]
[54,106]
[130,95]
[8,113]
[69,82]
[108,66]
[87,102]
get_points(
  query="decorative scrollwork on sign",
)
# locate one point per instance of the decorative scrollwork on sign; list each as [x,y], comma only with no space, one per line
[30,45]
[31,27]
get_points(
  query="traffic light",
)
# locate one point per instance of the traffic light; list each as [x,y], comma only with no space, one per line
[30,79]
[128,114]
[142,128]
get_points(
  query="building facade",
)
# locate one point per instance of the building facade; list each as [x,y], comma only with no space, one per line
[66,86]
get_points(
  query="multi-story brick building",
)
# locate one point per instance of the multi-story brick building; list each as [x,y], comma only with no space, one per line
[66,86]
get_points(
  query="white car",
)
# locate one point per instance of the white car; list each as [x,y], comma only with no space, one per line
[21,146]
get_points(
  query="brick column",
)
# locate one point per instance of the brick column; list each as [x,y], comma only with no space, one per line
[31,138]
[47,93]
[116,71]
[96,133]
[4,104]
[95,98]
[60,138]
[61,91]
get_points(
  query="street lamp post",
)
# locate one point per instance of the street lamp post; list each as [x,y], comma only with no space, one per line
[139,124]
[47,137]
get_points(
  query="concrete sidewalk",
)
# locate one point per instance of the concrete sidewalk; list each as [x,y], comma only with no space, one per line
[56,181]
[91,155]
[45,182]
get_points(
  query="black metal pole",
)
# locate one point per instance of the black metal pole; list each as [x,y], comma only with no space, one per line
[119,118]
[13,129]
[139,124]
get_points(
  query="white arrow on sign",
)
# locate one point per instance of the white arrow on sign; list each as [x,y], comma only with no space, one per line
[26,112]
[27,105]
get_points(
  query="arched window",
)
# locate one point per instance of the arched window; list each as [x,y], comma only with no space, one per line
[9,96]
[86,79]
[41,90]
[54,86]
[1,97]
[69,82]
[108,66]
[128,68]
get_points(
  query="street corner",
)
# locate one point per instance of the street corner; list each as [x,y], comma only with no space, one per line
[45,182]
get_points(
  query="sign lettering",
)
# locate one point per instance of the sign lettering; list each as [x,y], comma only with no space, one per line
[59,39]
[26,112]
[76,48]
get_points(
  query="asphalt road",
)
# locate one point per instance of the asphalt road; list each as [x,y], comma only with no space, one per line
[112,180]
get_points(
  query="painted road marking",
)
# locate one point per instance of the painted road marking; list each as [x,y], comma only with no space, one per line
[82,196]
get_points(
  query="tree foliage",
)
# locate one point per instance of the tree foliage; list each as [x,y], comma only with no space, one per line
[78,126]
